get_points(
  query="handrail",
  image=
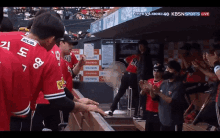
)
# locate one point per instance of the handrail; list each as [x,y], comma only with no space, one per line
[89,121]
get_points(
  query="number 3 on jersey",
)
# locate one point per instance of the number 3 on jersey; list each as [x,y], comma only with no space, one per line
[5,45]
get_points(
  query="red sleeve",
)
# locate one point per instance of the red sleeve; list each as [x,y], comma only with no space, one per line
[129,58]
[52,80]
[73,59]
[20,103]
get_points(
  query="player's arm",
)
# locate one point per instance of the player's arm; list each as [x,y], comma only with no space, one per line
[67,105]
[128,59]
[73,60]
[217,69]
[55,92]
[21,92]
[78,66]
[208,73]
[214,62]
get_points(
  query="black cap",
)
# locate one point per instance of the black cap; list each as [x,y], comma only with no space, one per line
[159,67]
[66,38]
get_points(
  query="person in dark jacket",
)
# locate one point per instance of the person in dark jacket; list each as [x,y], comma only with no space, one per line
[144,71]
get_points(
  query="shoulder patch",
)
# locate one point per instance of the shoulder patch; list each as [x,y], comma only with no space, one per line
[29,41]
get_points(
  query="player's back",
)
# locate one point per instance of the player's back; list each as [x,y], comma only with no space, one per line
[5,69]
[14,98]
[37,63]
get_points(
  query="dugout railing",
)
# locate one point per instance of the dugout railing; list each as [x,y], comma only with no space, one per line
[88,121]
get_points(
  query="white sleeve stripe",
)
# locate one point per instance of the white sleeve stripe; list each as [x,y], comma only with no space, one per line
[54,94]
[23,111]
[49,98]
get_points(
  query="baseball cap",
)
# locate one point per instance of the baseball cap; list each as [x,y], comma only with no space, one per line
[66,38]
[158,67]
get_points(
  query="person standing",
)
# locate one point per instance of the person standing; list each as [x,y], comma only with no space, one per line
[128,79]
[144,72]
[152,118]
[170,96]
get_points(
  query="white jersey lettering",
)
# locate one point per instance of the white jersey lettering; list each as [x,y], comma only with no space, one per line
[23,52]
[3,45]
[38,63]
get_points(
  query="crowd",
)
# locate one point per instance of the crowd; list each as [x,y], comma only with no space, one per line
[36,80]
[80,35]
[171,95]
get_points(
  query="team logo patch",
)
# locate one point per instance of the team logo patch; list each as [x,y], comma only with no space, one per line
[169,92]
[61,84]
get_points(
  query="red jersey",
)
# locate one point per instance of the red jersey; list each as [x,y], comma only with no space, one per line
[132,63]
[197,76]
[150,104]
[71,59]
[55,51]
[44,72]
[14,97]
[66,73]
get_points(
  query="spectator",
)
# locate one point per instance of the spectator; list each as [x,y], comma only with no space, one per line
[152,118]
[144,70]
[170,96]
[6,25]
[213,61]
[209,113]
[193,75]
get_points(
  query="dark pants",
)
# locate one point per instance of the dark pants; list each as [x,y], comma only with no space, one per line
[171,128]
[20,124]
[142,103]
[128,79]
[50,116]
[152,121]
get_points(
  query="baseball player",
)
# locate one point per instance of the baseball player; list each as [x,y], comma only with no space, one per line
[45,74]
